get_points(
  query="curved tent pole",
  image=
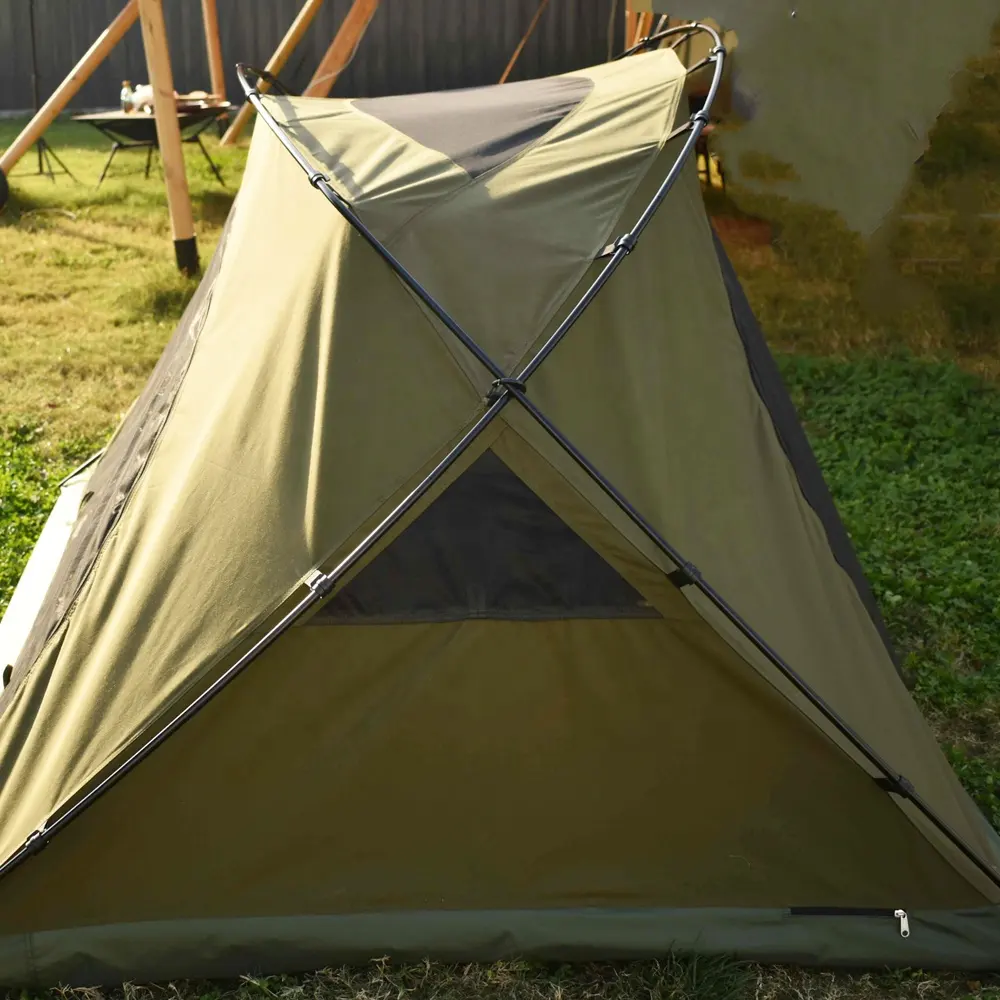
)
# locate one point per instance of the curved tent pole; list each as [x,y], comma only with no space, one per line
[658,36]
[273,82]
[505,388]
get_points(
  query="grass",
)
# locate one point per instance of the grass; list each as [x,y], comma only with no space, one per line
[29,477]
[90,292]
[672,978]
[893,362]
[909,449]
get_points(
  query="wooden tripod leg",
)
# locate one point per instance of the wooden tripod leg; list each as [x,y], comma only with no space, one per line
[213,46]
[631,23]
[524,41]
[168,132]
[275,64]
[343,46]
[64,93]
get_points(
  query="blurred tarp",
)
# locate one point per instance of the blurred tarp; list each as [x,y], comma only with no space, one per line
[831,101]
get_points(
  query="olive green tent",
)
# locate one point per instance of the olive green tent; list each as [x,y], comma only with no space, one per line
[462,585]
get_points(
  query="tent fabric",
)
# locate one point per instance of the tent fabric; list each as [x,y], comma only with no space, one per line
[480,131]
[35,580]
[486,548]
[563,779]
[218,949]
[771,389]
[725,493]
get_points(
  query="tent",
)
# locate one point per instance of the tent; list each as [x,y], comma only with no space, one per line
[462,585]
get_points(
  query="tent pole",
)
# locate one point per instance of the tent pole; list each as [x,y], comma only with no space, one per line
[213,46]
[274,65]
[66,90]
[168,133]
[342,48]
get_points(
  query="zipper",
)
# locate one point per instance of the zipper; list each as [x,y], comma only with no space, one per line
[899,915]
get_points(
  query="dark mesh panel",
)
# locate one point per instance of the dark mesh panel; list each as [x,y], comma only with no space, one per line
[117,472]
[482,127]
[795,444]
[488,547]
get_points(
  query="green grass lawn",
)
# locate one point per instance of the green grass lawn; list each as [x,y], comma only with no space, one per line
[897,385]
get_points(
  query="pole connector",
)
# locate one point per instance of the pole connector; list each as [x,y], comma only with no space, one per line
[626,243]
[700,116]
[36,842]
[896,784]
[685,574]
[502,385]
[318,583]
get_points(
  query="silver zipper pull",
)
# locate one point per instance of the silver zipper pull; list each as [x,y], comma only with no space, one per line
[904,923]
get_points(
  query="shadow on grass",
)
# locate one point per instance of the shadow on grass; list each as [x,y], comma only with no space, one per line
[162,297]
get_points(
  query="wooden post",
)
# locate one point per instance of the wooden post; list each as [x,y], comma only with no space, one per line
[161,78]
[214,48]
[631,22]
[342,48]
[517,52]
[274,65]
[643,27]
[64,93]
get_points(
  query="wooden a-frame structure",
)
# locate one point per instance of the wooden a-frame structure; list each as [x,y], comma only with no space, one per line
[149,13]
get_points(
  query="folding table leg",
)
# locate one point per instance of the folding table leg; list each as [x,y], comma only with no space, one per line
[211,162]
[114,149]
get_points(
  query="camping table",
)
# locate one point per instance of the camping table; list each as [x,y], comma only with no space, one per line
[137,130]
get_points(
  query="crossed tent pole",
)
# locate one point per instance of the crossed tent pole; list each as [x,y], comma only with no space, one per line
[503,390]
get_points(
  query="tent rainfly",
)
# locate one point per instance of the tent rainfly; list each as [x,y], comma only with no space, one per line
[379,632]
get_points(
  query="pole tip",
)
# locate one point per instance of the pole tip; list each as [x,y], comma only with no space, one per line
[186,252]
